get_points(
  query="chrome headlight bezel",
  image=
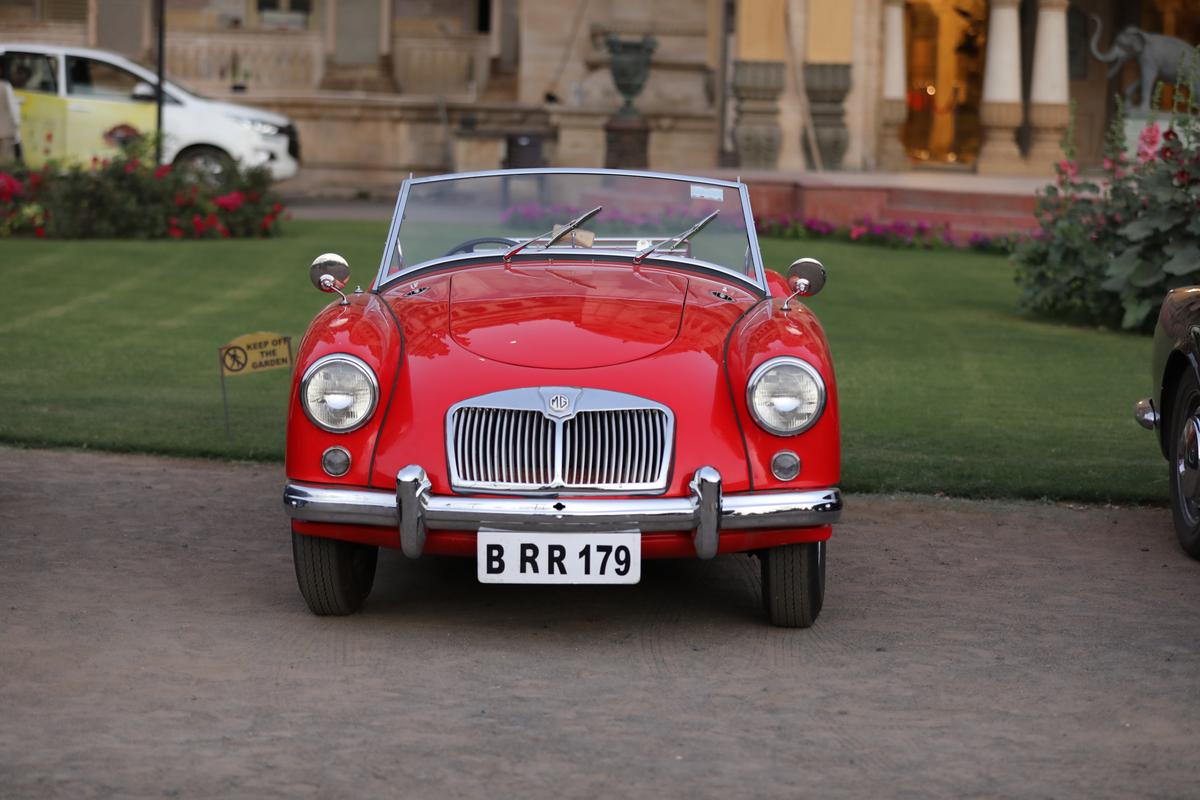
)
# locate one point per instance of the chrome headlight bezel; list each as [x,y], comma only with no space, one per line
[357,363]
[766,367]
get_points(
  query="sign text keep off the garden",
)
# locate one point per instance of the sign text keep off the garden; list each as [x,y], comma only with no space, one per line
[256,352]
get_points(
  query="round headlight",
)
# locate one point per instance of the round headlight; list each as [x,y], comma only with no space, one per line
[339,393]
[786,396]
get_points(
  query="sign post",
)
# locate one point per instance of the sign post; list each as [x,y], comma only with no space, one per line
[253,352]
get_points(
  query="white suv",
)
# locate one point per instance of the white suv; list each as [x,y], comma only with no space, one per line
[78,104]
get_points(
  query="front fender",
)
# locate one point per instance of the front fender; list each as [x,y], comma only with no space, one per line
[765,333]
[364,329]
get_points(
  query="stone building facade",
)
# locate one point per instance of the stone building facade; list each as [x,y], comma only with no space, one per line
[380,88]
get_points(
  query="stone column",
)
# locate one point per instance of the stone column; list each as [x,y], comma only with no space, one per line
[827,86]
[1001,113]
[1049,97]
[757,86]
[758,80]
[893,111]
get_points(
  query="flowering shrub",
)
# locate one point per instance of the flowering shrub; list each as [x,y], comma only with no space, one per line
[129,197]
[1109,250]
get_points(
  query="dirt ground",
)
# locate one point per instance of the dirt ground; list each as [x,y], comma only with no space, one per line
[153,643]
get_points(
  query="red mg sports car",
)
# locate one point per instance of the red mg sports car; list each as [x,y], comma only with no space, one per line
[561,372]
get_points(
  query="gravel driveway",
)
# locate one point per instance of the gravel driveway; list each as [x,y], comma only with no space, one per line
[153,643]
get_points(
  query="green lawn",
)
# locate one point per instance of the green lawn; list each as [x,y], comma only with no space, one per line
[113,345]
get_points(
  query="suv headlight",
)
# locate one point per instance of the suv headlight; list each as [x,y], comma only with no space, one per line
[785,395]
[339,393]
[259,126]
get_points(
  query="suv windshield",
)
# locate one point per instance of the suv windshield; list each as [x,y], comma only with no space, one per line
[455,215]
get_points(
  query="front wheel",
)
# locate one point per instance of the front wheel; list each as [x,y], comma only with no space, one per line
[335,577]
[793,583]
[1184,459]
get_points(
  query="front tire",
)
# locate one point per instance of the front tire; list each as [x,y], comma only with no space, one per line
[335,577]
[1183,459]
[793,583]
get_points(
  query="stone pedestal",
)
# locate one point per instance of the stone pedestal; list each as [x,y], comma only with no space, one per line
[1047,126]
[626,142]
[998,152]
[827,86]
[756,134]
[892,116]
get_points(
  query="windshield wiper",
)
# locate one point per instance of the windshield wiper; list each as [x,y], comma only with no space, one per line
[554,233]
[676,240]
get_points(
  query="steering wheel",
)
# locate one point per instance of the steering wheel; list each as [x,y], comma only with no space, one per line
[470,244]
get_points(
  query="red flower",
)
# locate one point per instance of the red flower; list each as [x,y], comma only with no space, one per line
[197,225]
[49,136]
[9,187]
[1167,154]
[162,172]
[1183,177]
[211,221]
[267,221]
[230,202]
[254,196]
[39,232]
[176,233]
[225,234]
[1171,135]
[35,181]
[130,167]
[180,200]
[275,209]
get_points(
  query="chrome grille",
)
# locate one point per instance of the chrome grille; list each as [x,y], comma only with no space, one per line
[552,439]
[613,448]
[505,446]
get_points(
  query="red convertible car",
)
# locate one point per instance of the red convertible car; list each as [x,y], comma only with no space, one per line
[560,372]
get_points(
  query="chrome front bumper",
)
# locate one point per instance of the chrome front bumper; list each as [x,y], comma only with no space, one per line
[705,512]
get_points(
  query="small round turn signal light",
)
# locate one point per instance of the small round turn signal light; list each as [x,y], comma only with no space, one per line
[335,461]
[785,465]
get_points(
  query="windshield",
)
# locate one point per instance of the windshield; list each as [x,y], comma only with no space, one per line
[496,212]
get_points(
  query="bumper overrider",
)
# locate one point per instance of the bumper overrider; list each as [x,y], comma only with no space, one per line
[705,512]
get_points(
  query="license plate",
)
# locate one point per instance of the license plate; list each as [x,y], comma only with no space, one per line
[513,557]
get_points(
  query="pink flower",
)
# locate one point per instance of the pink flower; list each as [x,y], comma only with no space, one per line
[1068,169]
[1148,142]
[856,232]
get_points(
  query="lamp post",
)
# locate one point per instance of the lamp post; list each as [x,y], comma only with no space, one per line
[158,99]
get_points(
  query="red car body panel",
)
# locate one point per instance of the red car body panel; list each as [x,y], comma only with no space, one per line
[675,336]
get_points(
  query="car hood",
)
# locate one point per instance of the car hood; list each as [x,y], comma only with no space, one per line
[552,317]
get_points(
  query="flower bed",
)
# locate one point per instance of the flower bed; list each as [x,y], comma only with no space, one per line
[889,234]
[129,197]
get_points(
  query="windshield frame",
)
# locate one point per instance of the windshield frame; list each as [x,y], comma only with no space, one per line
[758,280]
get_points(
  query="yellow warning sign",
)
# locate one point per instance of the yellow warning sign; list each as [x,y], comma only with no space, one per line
[256,352]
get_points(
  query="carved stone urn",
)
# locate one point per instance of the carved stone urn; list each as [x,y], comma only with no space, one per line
[629,60]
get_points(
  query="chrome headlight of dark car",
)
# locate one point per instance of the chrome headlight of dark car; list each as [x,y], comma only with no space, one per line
[339,393]
[785,395]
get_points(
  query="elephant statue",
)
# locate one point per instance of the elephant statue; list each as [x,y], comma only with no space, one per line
[1159,57]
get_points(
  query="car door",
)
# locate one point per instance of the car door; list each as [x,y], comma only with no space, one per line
[102,115]
[35,81]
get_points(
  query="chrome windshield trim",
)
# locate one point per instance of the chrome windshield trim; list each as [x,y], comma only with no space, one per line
[759,279]
[577,254]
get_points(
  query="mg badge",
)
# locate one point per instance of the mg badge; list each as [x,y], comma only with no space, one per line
[559,404]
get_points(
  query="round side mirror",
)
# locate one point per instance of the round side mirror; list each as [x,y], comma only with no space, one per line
[806,276]
[331,266]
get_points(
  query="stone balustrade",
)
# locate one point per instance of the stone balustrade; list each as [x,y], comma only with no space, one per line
[262,61]
[441,65]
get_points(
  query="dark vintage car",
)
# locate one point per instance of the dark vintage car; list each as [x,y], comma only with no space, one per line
[560,373]
[1173,411]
